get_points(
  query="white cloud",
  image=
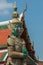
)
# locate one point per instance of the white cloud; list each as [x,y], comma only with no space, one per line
[4,4]
[5,7]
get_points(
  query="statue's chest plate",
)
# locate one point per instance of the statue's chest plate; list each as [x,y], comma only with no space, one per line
[18,46]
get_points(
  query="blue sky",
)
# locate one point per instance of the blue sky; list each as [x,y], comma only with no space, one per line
[33,19]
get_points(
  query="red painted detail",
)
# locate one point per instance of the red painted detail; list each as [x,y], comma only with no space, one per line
[1,55]
[3,36]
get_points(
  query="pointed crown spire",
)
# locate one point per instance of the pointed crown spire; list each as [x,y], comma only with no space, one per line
[15,14]
[15,8]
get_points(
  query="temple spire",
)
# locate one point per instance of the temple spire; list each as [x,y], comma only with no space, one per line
[25,9]
[21,17]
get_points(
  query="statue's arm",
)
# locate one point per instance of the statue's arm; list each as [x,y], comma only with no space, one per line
[17,54]
[24,50]
[23,54]
[13,53]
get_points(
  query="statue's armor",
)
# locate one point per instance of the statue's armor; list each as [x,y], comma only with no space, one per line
[15,45]
[18,46]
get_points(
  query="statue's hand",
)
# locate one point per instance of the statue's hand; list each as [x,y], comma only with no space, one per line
[25,53]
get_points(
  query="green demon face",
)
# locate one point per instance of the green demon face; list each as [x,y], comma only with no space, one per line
[18,29]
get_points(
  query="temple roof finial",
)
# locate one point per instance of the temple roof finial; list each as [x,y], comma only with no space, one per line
[25,8]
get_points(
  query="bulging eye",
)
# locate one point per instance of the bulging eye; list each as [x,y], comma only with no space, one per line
[15,29]
[21,29]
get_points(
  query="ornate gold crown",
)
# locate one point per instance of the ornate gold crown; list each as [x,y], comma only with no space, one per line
[16,20]
[15,16]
